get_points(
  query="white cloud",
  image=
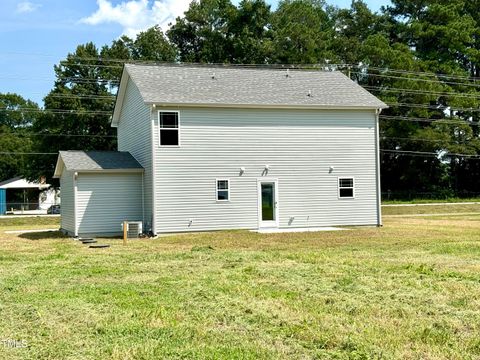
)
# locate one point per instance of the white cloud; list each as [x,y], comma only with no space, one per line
[27,7]
[137,15]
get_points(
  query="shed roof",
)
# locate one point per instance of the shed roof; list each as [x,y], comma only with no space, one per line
[179,85]
[93,161]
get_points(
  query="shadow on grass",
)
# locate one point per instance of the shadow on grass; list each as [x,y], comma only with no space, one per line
[43,235]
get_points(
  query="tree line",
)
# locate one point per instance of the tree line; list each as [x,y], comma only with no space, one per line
[420,57]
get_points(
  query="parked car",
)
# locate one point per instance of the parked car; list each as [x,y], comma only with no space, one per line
[54,209]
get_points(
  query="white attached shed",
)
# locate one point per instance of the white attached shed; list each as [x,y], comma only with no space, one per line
[100,190]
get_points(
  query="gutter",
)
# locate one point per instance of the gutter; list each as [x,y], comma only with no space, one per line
[377,168]
[152,139]
[75,225]
[262,106]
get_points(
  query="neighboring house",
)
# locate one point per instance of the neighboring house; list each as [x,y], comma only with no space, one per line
[242,148]
[18,195]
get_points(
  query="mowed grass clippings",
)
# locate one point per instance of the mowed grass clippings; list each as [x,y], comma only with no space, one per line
[409,290]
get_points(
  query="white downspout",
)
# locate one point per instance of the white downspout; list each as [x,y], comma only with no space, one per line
[75,222]
[377,167]
[152,130]
[143,198]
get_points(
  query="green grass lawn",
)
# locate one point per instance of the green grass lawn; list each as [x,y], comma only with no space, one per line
[429,201]
[431,209]
[409,290]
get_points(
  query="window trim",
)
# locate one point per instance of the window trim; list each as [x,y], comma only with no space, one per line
[217,190]
[346,187]
[168,129]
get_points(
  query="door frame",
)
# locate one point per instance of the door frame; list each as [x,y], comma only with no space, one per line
[270,223]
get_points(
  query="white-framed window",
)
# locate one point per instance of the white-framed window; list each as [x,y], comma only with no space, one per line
[223,189]
[346,187]
[168,128]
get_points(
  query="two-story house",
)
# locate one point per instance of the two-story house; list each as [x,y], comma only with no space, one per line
[213,148]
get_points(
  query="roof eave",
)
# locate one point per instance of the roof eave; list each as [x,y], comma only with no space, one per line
[120,97]
[110,171]
[268,106]
[59,166]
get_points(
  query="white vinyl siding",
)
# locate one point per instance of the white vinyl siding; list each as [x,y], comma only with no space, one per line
[105,200]
[67,207]
[299,146]
[134,136]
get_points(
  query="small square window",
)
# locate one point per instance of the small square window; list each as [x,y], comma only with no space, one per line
[346,188]
[223,190]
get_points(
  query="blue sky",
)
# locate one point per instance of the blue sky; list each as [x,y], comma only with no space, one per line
[36,34]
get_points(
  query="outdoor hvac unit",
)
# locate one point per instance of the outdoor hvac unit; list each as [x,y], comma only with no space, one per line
[134,229]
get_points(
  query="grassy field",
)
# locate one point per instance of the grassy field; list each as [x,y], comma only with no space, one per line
[409,290]
[465,209]
[430,201]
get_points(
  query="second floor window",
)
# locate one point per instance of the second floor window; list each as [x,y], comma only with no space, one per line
[168,128]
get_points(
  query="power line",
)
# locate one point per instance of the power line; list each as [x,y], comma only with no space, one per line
[422,140]
[65,62]
[57,135]
[433,107]
[382,117]
[429,153]
[26,153]
[421,92]
[440,121]
[341,65]
[90,97]
[415,79]
[401,152]
[422,73]
[60,111]
[66,79]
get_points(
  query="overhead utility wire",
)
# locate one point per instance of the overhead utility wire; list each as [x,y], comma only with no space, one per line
[100,112]
[415,79]
[422,92]
[26,153]
[441,121]
[366,74]
[422,140]
[57,135]
[400,152]
[409,72]
[433,107]
[113,136]
[60,111]
[342,65]
[430,153]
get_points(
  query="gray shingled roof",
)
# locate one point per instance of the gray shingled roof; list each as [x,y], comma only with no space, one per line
[99,160]
[201,85]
